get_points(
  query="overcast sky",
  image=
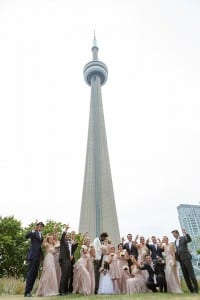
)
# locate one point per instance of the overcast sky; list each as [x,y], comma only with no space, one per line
[151,108]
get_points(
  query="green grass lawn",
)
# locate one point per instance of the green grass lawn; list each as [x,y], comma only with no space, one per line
[146,296]
[13,289]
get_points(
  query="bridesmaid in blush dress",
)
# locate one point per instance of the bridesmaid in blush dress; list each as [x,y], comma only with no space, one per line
[122,256]
[90,263]
[136,284]
[115,272]
[48,284]
[56,255]
[171,273]
[142,252]
[81,279]
[105,250]
[142,249]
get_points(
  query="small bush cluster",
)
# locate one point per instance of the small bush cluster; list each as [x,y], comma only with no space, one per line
[11,286]
[14,286]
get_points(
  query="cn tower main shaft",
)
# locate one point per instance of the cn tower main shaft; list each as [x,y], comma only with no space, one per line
[98,209]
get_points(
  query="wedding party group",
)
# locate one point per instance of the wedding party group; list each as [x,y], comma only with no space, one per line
[133,266]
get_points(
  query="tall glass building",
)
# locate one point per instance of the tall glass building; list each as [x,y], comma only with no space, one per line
[189,218]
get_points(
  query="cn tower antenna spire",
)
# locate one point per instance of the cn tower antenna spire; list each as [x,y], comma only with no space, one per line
[95,48]
[95,40]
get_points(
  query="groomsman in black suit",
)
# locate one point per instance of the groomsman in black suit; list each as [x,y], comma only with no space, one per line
[151,282]
[130,247]
[75,245]
[154,248]
[34,257]
[66,257]
[159,268]
[184,257]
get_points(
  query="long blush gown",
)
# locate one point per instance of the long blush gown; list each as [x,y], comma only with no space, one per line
[90,268]
[115,272]
[48,284]
[171,274]
[124,275]
[57,264]
[137,283]
[81,278]
[142,252]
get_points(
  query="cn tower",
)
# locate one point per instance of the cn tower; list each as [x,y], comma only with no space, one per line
[98,210]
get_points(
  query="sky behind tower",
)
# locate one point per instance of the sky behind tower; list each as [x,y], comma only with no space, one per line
[151,108]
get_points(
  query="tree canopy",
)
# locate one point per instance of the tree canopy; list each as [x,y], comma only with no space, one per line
[14,246]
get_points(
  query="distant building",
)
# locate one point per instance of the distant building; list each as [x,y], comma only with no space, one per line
[189,218]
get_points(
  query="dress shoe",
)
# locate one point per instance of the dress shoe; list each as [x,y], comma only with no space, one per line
[63,294]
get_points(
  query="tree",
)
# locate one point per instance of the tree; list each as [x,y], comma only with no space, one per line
[12,247]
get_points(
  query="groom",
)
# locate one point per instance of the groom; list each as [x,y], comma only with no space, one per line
[98,257]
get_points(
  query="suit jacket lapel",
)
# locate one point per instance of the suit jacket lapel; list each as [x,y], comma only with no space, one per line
[38,235]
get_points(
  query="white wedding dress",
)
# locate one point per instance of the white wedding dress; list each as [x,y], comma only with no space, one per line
[105,284]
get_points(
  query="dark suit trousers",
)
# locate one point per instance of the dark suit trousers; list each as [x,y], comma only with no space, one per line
[189,276]
[162,283]
[71,276]
[65,276]
[97,266]
[33,268]
[151,285]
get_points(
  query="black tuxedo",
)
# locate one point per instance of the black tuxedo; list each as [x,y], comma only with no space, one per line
[33,257]
[65,263]
[184,257]
[131,250]
[150,283]
[74,247]
[155,251]
[159,268]
[182,251]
